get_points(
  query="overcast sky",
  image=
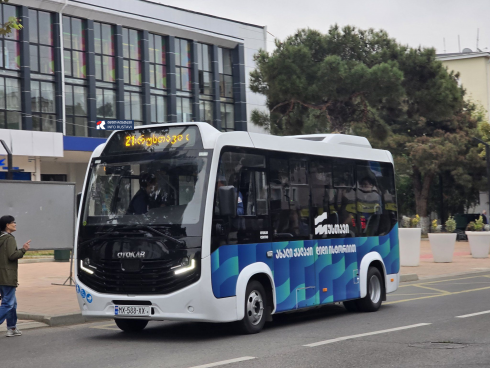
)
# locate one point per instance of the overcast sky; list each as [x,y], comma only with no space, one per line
[413,22]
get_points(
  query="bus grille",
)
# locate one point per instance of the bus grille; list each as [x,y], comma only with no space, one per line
[154,277]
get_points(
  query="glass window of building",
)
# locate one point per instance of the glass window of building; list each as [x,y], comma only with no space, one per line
[43,106]
[158,109]
[105,107]
[41,42]
[184,111]
[205,61]
[105,62]
[183,64]
[225,65]
[10,43]
[74,36]
[227,116]
[76,110]
[10,111]
[132,56]
[158,61]
[133,107]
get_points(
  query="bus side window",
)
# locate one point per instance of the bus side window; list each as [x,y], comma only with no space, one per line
[322,197]
[344,201]
[253,191]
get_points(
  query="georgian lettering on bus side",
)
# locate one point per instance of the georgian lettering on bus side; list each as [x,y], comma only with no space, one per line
[320,250]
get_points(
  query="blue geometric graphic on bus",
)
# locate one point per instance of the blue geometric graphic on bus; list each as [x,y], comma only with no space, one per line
[229,260]
[302,270]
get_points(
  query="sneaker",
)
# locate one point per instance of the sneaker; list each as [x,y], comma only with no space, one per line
[13,332]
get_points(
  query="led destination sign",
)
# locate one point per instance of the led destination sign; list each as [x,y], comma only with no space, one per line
[152,140]
[155,139]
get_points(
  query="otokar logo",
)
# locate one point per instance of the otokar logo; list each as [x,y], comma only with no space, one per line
[131,255]
[101,125]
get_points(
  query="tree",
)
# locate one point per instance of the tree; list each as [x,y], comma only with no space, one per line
[11,24]
[363,82]
[317,83]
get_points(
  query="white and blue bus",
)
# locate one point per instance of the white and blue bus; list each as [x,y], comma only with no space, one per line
[182,222]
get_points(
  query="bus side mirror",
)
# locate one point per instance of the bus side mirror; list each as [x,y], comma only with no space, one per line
[79,199]
[227,201]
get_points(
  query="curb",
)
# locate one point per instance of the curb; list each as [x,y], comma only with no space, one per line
[409,277]
[35,260]
[56,320]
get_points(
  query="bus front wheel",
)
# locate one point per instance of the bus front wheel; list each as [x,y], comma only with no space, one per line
[372,301]
[131,325]
[255,308]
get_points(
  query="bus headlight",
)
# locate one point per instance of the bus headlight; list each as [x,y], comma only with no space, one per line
[85,266]
[184,268]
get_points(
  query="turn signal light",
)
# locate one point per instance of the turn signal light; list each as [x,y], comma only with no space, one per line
[392,280]
[325,290]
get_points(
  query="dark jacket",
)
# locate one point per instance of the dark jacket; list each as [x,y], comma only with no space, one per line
[9,256]
[139,203]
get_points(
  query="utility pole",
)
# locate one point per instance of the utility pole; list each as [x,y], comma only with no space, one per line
[487,155]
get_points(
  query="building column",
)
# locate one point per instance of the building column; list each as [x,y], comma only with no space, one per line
[36,175]
[239,88]
[171,81]
[92,95]
[25,71]
[145,53]
[216,94]
[195,82]
[119,74]
[58,73]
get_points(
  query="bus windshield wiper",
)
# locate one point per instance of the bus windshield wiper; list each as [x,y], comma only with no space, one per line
[168,237]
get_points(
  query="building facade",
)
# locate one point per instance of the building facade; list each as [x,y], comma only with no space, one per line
[474,70]
[77,62]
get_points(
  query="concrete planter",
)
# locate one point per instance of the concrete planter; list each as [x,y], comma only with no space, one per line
[409,246]
[442,246]
[479,243]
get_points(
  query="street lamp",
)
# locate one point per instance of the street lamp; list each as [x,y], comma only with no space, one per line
[487,155]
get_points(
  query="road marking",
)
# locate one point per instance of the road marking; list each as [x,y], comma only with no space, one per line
[223,362]
[435,296]
[439,281]
[429,288]
[413,294]
[473,314]
[366,334]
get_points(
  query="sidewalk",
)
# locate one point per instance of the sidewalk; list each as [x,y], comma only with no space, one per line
[462,262]
[41,301]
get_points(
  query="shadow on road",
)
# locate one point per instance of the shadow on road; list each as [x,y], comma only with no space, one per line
[191,332]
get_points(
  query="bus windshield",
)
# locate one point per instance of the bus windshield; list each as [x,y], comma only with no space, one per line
[166,191]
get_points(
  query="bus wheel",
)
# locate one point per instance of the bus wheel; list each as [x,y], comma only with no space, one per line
[255,308]
[351,305]
[131,325]
[372,301]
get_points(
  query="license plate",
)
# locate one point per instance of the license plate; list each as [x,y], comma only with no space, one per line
[131,310]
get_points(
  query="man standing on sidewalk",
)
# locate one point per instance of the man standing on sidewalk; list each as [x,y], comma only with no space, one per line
[9,263]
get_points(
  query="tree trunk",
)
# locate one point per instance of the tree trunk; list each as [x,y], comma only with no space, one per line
[421,187]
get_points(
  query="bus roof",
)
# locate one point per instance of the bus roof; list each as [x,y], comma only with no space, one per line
[334,145]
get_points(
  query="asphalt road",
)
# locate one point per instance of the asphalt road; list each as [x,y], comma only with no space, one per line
[419,326]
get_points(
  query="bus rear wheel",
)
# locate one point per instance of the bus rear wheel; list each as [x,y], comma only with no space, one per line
[131,325]
[375,289]
[255,308]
